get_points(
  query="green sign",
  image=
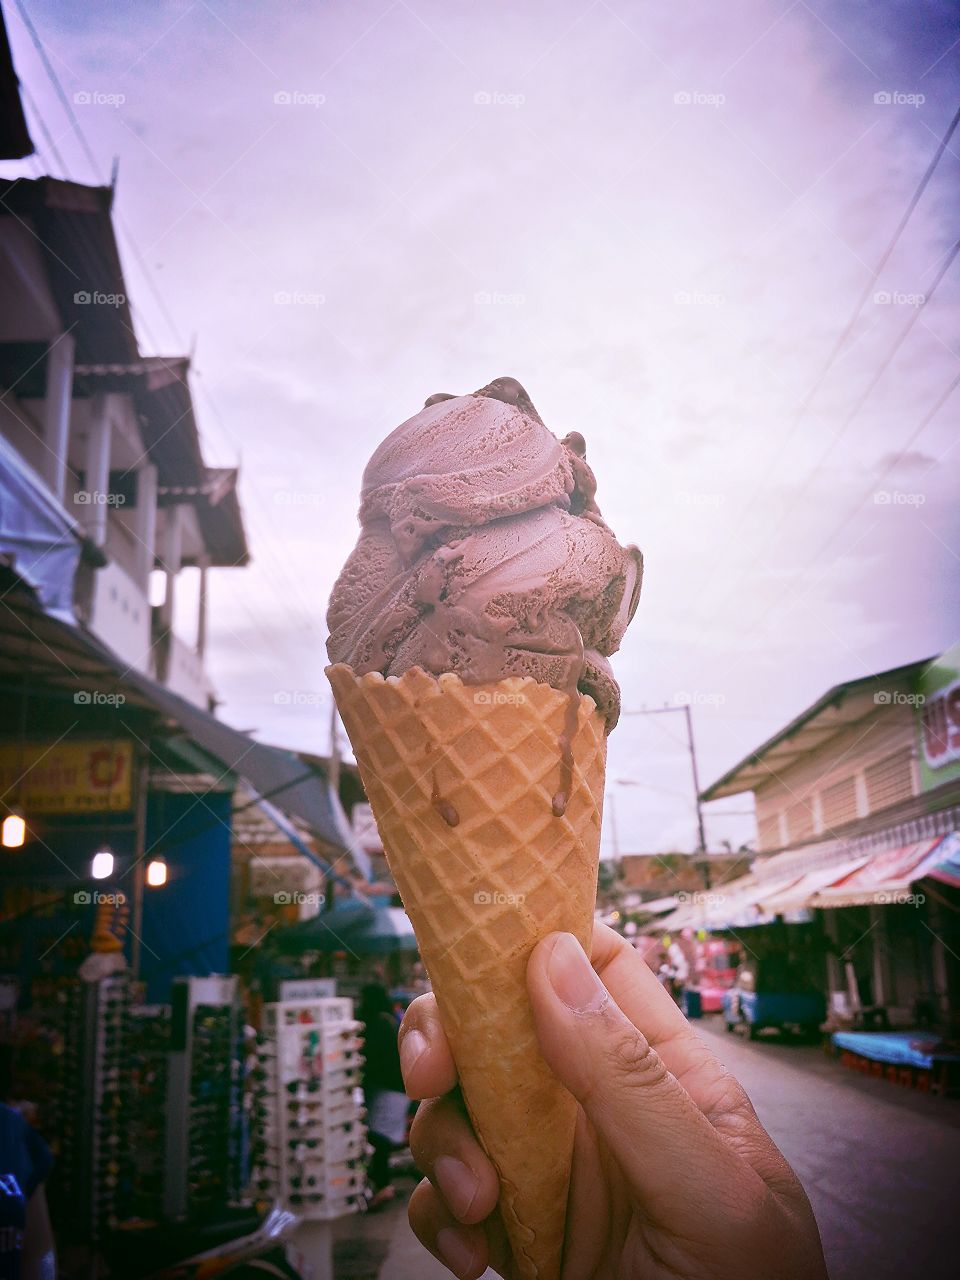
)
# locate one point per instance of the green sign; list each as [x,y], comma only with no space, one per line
[938,720]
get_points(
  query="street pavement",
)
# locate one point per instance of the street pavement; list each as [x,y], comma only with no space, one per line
[879,1163]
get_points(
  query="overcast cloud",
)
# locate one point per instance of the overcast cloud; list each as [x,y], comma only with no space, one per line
[657,217]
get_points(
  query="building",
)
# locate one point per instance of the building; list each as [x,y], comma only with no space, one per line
[106,435]
[110,759]
[858,809]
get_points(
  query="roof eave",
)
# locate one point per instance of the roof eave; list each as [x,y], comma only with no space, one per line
[727,785]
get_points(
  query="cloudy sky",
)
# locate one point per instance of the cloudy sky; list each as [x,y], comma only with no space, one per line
[658,217]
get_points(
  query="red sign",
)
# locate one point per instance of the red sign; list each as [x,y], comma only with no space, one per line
[940,726]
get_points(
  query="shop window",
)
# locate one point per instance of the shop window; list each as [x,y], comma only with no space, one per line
[800,820]
[768,832]
[889,781]
[839,804]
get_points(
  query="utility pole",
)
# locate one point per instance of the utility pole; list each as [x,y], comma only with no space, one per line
[701,836]
[333,776]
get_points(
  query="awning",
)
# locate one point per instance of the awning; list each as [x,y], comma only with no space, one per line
[884,879]
[39,540]
[944,861]
[274,774]
[70,659]
[800,894]
[737,905]
[657,906]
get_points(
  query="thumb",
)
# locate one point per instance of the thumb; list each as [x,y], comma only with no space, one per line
[668,1152]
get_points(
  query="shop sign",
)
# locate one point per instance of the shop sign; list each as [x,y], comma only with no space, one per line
[307,989]
[938,720]
[69,777]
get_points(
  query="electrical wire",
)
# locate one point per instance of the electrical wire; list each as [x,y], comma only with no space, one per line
[47,136]
[58,87]
[771,536]
[302,619]
[927,418]
[837,348]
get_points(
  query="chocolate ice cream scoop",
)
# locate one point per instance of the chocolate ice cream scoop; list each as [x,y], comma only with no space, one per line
[482,552]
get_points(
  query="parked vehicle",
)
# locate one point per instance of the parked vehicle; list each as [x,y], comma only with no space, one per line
[717,961]
[772,992]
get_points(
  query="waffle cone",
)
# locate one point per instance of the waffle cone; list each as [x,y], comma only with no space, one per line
[482,892]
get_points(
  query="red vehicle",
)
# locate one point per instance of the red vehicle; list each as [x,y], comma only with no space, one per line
[717,962]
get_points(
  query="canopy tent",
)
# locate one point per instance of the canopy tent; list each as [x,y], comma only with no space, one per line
[353,927]
[325,932]
[388,932]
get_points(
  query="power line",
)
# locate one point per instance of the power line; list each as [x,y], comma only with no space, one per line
[875,274]
[58,87]
[852,512]
[871,385]
[840,343]
[771,536]
[303,619]
[47,136]
[891,466]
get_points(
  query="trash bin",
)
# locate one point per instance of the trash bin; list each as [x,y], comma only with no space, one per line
[692,1004]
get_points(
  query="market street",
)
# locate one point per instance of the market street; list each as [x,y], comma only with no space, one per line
[878,1162]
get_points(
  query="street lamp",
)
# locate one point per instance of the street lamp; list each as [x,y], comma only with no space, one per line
[156,873]
[14,830]
[103,863]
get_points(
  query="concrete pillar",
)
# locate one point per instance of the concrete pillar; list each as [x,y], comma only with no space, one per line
[835,978]
[171,557]
[145,523]
[56,424]
[878,932]
[938,966]
[97,469]
[860,790]
[202,609]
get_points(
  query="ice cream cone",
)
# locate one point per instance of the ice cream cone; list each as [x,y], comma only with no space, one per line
[463,781]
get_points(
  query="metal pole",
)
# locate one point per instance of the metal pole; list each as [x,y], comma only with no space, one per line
[613,825]
[696,797]
[659,711]
[139,870]
[334,746]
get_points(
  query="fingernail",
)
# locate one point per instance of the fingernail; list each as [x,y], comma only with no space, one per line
[572,976]
[458,1183]
[456,1252]
[412,1047]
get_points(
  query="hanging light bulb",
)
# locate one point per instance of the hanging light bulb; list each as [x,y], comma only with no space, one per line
[14,830]
[102,866]
[156,873]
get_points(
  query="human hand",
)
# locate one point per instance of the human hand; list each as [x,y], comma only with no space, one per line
[673,1174]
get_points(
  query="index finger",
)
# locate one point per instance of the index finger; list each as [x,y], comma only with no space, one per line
[425,1058]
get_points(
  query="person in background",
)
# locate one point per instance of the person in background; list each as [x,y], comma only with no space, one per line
[26,1238]
[386,1101]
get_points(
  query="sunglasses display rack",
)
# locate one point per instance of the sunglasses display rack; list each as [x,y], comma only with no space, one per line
[148,1042]
[204,1098]
[93,1165]
[309,1147]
